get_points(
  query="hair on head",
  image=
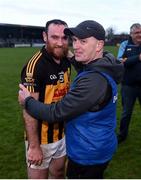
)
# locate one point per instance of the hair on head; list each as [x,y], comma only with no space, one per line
[55,21]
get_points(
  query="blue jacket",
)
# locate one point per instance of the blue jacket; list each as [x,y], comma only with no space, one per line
[90,137]
[132,74]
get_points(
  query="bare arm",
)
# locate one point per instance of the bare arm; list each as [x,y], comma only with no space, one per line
[34,153]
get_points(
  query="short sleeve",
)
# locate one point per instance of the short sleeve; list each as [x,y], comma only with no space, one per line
[31,76]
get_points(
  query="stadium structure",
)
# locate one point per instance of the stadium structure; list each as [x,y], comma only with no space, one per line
[13,35]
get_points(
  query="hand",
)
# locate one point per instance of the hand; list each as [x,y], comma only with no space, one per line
[123,60]
[35,156]
[23,94]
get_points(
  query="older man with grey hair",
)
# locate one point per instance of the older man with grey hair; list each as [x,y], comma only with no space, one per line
[130,54]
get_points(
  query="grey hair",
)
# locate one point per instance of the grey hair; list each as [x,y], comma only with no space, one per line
[135,26]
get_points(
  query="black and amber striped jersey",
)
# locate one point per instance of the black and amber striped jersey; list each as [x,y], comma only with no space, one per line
[42,74]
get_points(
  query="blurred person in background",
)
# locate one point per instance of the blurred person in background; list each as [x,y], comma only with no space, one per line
[130,54]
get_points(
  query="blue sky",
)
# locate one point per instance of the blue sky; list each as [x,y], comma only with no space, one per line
[119,15]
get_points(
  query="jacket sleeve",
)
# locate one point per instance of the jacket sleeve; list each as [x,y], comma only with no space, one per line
[86,94]
[121,50]
[131,61]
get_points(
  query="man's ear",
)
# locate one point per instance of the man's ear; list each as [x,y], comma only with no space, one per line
[44,36]
[100,45]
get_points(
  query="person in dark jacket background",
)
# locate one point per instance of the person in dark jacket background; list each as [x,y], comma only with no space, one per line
[130,54]
[89,108]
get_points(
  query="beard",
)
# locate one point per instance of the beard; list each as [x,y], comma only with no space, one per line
[57,52]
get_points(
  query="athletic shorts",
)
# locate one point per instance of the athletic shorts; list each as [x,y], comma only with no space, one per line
[50,151]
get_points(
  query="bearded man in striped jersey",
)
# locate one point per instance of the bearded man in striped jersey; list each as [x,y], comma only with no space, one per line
[47,77]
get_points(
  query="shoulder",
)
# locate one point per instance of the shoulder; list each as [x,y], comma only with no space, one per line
[33,65]
[34,60]
[124,43]
[92,79]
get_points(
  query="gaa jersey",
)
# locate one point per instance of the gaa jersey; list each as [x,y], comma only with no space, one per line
[52,81]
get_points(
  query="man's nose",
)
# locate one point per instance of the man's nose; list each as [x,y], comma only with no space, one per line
[60,42]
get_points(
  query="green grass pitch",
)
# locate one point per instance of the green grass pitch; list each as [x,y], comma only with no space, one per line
[126,162]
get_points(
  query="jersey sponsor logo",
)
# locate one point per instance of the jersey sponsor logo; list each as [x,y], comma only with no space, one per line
[59,93]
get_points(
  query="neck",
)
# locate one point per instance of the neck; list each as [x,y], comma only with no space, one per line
[98,55]
[137,43]
[57,60]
